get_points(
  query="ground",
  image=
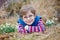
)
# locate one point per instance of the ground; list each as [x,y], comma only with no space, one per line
[52,33]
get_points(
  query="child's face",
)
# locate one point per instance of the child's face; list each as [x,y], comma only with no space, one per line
[29,18]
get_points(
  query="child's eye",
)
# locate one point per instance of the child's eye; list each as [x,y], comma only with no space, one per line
[25,17]
[30,15]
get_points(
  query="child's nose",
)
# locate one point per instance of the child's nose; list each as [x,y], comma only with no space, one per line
[28,18]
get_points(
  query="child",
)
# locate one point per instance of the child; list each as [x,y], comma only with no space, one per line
[29,22]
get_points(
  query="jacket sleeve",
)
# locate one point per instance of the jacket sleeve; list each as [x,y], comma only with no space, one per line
[21,29]
[41,25]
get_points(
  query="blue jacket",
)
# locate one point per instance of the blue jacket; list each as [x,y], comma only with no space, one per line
[37,18]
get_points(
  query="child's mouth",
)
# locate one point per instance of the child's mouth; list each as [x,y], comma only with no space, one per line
[29,21]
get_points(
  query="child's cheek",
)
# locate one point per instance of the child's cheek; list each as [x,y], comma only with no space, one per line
[25,20]
[33,18]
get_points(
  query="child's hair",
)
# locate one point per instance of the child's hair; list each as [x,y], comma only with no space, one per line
[25,9]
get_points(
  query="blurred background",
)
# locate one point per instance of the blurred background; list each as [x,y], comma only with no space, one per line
[48,9]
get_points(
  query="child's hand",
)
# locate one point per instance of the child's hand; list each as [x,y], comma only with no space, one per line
[26,27]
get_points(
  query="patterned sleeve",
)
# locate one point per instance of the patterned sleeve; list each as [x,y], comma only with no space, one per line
[39,28]
[21,29]
[41,25]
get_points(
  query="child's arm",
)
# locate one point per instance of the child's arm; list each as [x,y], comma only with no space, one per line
[39,28]
[41,25]
[21,29]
